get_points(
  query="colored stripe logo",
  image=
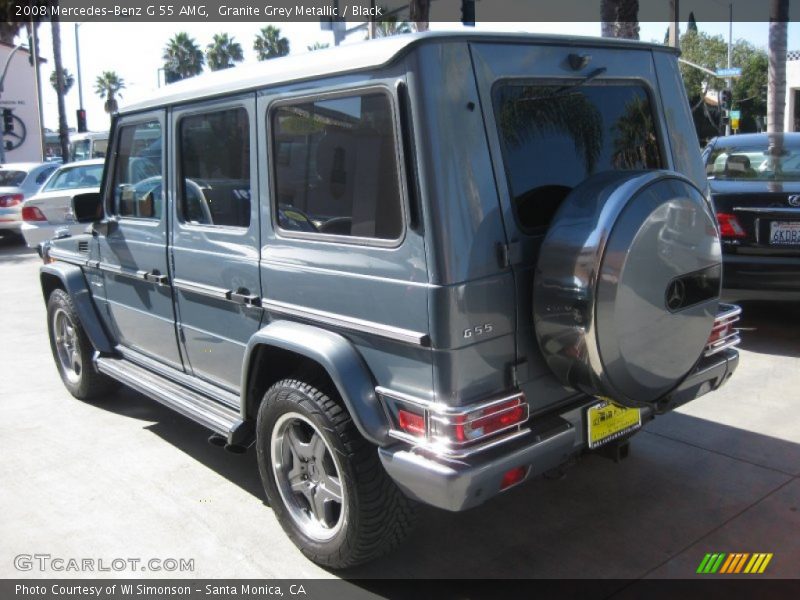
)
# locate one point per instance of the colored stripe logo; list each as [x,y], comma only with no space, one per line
[734,563]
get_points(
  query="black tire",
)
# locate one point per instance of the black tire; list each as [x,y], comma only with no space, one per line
[374,516]
[81,378]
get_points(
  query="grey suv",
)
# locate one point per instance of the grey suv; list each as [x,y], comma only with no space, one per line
[424,269]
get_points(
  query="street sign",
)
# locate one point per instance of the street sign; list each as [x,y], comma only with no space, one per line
[732,72]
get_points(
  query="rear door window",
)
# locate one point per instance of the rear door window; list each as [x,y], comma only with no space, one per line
[215,168]
[336,169]
[554,136]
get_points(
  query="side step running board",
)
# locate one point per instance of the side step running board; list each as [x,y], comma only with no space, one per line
[219,418]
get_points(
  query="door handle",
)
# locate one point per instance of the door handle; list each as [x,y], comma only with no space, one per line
[155,277]
[244,297]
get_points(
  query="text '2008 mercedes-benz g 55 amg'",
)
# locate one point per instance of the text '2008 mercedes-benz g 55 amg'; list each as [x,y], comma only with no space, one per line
[427,269]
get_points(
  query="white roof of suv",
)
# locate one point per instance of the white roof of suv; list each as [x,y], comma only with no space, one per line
[341,59]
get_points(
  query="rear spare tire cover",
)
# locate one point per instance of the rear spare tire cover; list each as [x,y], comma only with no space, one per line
[627,285]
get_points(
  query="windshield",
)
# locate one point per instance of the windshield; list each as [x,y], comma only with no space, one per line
[79,150]
[753,162]
[75,177]
[11,178]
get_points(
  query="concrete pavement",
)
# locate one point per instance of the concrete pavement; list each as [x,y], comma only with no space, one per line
[127,478]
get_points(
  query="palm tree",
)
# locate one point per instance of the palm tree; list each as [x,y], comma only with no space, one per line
[419,12]
[317,46]
[620,18]
[182,58]
[223,52]
[63,133]
[388,26]
[776,81]
[108,86]
[269,43]
[69,81]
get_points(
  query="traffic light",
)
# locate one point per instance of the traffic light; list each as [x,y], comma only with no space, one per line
[725,99]
[81,120]
[8,120]
[468,13]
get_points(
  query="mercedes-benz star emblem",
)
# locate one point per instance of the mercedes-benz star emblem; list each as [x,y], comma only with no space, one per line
[676,294]
[794,200]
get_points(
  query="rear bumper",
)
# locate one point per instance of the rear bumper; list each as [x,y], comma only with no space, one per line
[464,483]
[747,277]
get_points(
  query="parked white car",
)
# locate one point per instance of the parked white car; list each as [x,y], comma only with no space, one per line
[51,209]
[19,181]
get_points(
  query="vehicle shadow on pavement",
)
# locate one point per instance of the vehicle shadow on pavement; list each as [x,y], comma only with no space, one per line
[654,514]
[189,437]
[771,328]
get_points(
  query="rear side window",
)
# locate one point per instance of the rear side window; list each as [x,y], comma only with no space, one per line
[215,168]
[555,136]
[42,177]
[138,192]
[335,167]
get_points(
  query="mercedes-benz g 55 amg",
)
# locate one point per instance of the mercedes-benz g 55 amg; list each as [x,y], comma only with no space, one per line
[427,269]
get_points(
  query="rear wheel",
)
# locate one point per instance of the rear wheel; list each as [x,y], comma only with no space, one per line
[73,351]
[324,481]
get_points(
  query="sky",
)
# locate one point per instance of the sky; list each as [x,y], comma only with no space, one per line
[134,51]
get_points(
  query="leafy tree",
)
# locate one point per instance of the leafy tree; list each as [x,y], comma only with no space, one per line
[269,43]
[317,46]
[182,58]
[620,18]
[69,81]
[108,85]
[711,52]
[223,52]
[391,25]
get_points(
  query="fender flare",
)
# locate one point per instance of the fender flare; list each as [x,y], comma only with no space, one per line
[342,362]
[72,279]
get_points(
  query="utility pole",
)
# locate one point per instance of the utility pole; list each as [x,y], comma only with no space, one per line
[38,72]
[78,58]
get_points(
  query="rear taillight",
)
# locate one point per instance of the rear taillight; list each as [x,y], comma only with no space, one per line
[32,213]
[455,432]
[729,226]
[723,333]
[9,200]
[411,423]
[481,423]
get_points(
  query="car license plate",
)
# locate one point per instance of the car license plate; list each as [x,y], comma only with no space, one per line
[784,233]
[607,421]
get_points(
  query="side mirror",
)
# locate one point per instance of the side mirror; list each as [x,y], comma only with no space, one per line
[87,208]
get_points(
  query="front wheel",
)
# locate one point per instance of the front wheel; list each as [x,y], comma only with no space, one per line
[324,481]
[72,350]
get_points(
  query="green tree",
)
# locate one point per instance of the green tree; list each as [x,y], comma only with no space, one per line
[108,85]
[69,81]
[391,25]
[711,52]
[317,46]
[182,58]
[223,52]
[269,43]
